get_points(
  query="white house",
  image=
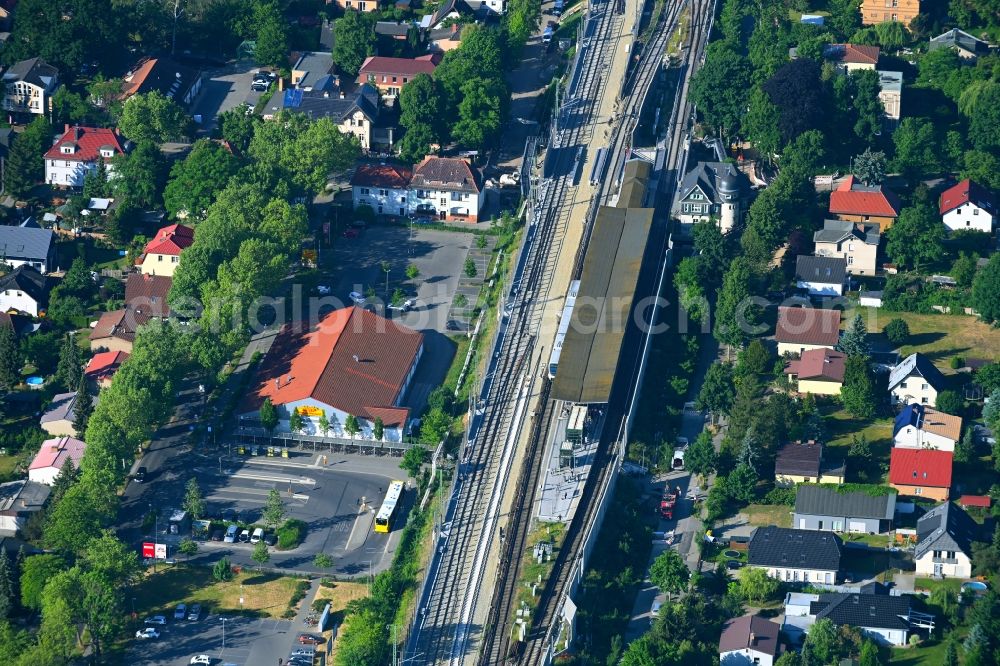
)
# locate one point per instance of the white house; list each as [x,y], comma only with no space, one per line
[791,555]
[448,188]
[883,617]
[29,86]
[944,542]
[915,380]
[921,427]
[383,186]
[29,246]
[749,640]
[821,276]
[24,290]
[78,151]
[52,457]
[713,191]
[968,206]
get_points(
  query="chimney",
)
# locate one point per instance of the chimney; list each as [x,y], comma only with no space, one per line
[281,84]
[277,382]
[65,128]
[326,94]
[356,359]
[77,133]
[341,94]
[288,380]
[753,639]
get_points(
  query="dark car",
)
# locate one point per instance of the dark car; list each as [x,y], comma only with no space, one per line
[140,475]
[270,539]
[216,534]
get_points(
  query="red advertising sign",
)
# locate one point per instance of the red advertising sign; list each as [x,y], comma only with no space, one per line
[148,549]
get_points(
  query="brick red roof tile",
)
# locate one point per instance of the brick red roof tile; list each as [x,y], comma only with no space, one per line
[446,173]
[390,176]
[920,467]
[822,364]
[171,240]
[810,326]
[963,193]
[88,140]
[104,364]
[851,198]
[376,65]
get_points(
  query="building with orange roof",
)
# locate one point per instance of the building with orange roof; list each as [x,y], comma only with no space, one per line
[389,75]
[874,12]
[921,472]
[855,202]
[352,363]
[162,255]
[166,76]
[852,57]
[103,366]
[78,152]
[968,206]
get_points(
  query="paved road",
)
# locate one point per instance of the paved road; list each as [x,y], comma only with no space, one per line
[222,90]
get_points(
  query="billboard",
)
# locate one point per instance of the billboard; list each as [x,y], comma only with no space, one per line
[161,551]
[148,549]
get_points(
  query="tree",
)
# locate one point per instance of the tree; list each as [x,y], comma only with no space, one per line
[965,450]
[897,331]
[416,143]
[669,573]
[323,424]
[295,422]
[237,128]
[378,429]
[984,124]
[951,653]
[916,237]
[353,41]
[413,460]
[755,359]
[855,339]
[822,644]
[918,150]
[8,597]
[24,168]
[69,370]
[742,483]
[194,503]
[154,118]
[860,449]
[421,105]
[858,391]
[222,570]
[412,272]
[470,268]
[736,315]
[986,291]
[139,175]
[756,586]
[36,572]
[950,402]
[480,113]
[870,167]
[760,124]
[198,178]
[274,509]
[891,35]
[268,415]
[797,91]
[322,561]
[351,425]
[700,457]
[10,359]
[67,34]
[272,34]
[717,390]
[260,554]
[188,548]
[718,87]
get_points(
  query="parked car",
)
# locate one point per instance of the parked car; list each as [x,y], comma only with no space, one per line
[201,659]
[140,475]
[245,536]
[351,233]
[357,298]
[231,533]
[216,534]
[181,612]
[309,639]
[259,85]
[323,290]
[405,306]
[303,652]
[654,610]
[195,613]
[156,619]
[257,535]
[148,632]
[270,539]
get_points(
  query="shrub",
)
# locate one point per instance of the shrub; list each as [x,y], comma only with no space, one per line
[322,561]
[291,534]
[783,496]
[222,570]
[319,604]
[956,362]
[897,331]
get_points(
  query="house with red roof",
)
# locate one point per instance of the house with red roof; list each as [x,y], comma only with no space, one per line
[384,186]
[968,206]
[103,366]
[818,371]
[163,254]
[389,75]
[852,57]
[52,456]
[443,188]
[78,152]
[921,472]
[854,201]
[351,363]
[800,329]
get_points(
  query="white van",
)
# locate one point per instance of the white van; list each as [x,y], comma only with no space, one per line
[258,534]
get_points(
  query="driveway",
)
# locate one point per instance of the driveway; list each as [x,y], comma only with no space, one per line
[223,89]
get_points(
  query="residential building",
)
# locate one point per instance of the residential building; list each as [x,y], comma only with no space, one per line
[389,75]
[58,419]
[24,290]
[921,427]
[831,509]
[802,462]
[853,201]
[384,186]
[852,57]
[880,11]
[448,188]
[166,76]
[29,86]
[27,245]
[818,371]
[445,38]
[944,542]
[915,380]
[78,151]
[353,363]
[358,5]
[821,276]
[19,500]
[921,472]
[749,640]
[966,45]
[968,205]
[102,367]
[714,191]
[795,555]
[485,7]
[353,113]
[882,617]
[397,30]
[162,254]
[314,70]
[20,324]
[52,456]
[891,95]
[857,244]
[145,300]
[803,328]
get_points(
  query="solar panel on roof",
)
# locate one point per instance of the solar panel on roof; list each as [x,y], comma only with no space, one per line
[293,99]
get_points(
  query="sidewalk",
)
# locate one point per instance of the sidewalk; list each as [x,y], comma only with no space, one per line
[268,650]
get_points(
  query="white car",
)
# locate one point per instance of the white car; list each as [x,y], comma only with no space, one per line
[156,619]
[148,632]
[405,306]
[201,659]
[358,298]
[323,290]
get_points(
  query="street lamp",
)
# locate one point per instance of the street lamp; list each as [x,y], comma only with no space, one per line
[224,632]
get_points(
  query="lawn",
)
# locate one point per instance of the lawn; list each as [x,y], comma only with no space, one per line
[941,336]
[340,594]
[841,429]
[929,585]
[264,595]
[7,464]
[769,514]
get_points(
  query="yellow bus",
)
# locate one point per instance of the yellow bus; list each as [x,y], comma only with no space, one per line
[383,520]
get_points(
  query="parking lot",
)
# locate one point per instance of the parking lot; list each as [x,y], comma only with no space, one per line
[223,89]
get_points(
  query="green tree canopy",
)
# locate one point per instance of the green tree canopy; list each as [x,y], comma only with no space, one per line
[196,180]
[353,40]
[24,165]
[719,88]
[916,237]
[858,391]
[986,290]
[153,117]
[669,572]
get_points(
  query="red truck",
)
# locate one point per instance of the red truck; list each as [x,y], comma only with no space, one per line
[667,503]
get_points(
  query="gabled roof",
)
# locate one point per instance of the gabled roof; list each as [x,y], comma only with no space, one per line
[836,231]
[878,611]
[22,497]
[121,324]
[929,420]
[148,293]
[62,407]
[714,178]
[88,142]
[393,28]
[920,467]
[810,326]
[25,243]
[960,39]
[30,281]
[784,547]
[446,173]
[860,54]
[799,458]
[817,500]
[946,527]
[823,364]
[312,69]
[979,501]
[35,71]
[749,632]
[408,67]
[103,365]
[55,452]
[326,103]
[820,270]
[164,75]
[919,365]
[353,360]
[171,240]
[966,192]
[852,198]
[384,174]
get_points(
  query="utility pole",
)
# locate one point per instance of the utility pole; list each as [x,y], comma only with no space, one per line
[392,628]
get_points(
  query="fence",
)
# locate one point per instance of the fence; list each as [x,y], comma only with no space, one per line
[258,437]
